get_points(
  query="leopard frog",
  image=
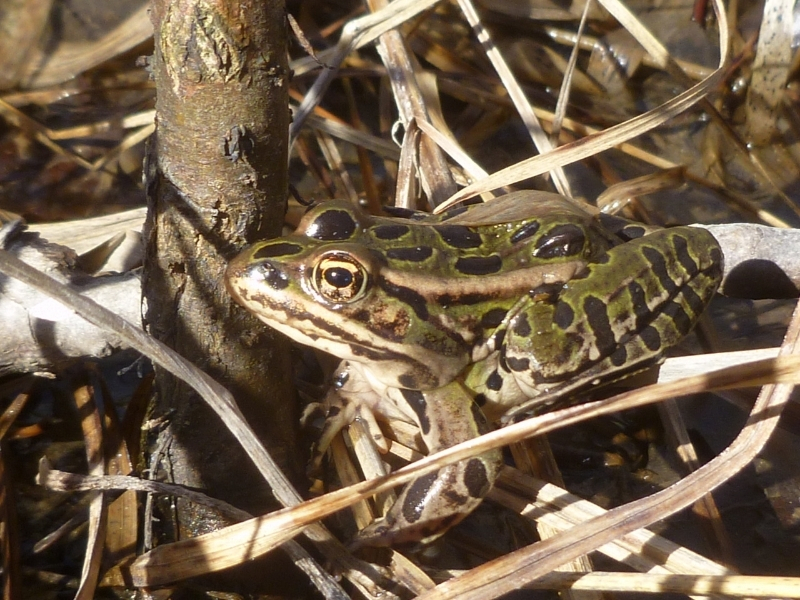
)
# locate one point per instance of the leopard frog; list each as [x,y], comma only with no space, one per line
[444,319]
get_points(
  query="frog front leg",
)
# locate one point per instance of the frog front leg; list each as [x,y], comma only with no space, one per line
[351,395]
[428,506]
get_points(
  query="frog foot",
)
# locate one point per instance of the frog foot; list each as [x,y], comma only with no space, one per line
[433,503]
[339,412]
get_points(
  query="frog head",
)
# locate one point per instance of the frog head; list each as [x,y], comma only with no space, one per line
[328,286]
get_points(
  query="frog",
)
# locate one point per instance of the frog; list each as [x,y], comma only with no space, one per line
[448,321]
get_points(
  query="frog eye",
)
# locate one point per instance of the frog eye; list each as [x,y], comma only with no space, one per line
[339,278]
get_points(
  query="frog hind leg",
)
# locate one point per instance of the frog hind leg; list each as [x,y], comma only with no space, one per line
[431,504]
[643,299]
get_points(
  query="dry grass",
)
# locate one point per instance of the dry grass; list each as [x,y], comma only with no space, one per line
[470,97]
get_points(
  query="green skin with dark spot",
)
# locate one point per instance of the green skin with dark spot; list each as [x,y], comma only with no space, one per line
[521,301]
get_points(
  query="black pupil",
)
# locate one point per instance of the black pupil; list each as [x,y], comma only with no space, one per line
[338,277]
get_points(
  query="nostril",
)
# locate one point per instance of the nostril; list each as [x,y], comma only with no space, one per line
[269,273]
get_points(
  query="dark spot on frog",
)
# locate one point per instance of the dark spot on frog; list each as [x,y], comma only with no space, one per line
[480,399]
[501,361]
[454,497]
[695,302]
[563,315]
[476,479]
[416,400]
[632,232]
[659,269]
[277,249]
[651,338]
[682,252]
[561,241]
[407,380]
[525,232]
[361,316]
[638,300]
[521,326]
[494,381]
[332,225]
[390,232]
[597,316]
[518,364]
[411,254]
[619,356]
[493,318]
[679,317]
[479,265]
[406,295]
[333,411]
[416,497]
[459,236]
[420,378]
[391,326]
